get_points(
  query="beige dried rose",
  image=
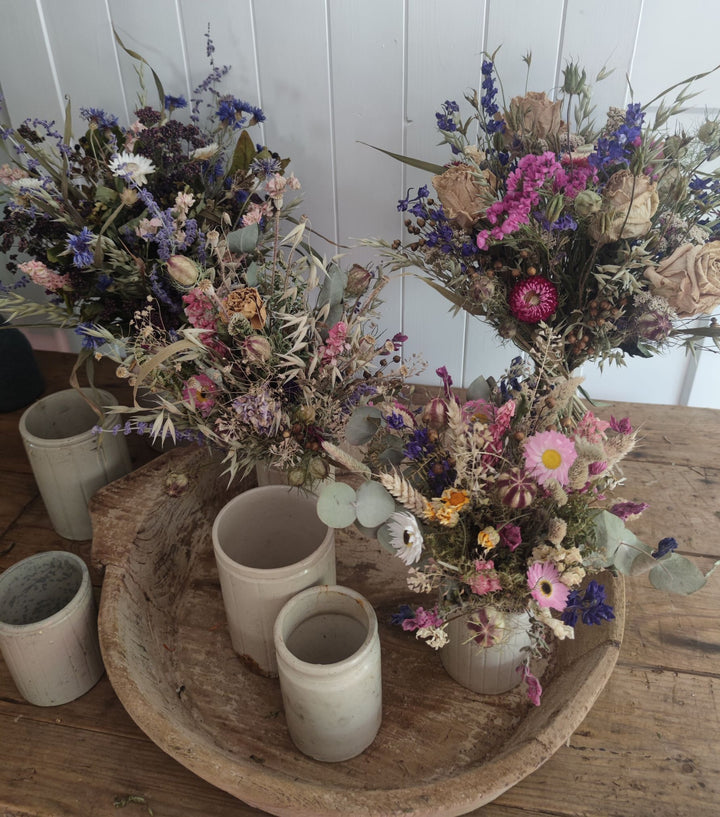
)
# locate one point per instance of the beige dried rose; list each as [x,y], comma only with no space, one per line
[248,303]
[535,114]
[629,203]
[463,196]
[689,279]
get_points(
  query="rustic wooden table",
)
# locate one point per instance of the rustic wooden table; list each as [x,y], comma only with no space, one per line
[648,747]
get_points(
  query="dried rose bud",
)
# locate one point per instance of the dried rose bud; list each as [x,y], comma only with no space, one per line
[358,281]
[256,349]
[182,270]
[176,483]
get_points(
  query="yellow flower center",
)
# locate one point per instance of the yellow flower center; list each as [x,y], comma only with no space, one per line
[551,459]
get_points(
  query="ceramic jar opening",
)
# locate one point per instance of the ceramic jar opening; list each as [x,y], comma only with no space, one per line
[269,544]
[489,670]
[70,462]
[48,628]
[328,654]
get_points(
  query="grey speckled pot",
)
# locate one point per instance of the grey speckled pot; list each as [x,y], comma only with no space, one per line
[48,628]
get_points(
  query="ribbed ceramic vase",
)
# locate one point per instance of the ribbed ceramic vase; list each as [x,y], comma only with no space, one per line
[487,670]
[69,460]
[269,544]
[328,654]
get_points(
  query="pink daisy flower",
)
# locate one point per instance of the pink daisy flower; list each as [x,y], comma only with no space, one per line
[533,300]
[549,455]
[546,587]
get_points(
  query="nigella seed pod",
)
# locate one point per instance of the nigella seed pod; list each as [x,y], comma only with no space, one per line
[435,413]
[182,270]
[515,489]
[256,349]
[318,468]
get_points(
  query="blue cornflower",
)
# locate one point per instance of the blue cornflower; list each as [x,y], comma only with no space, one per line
[96,116]
[590,606]
[405,612]
[172,102]
[395,421]
[80,247]
[88,341]
[664,547]
[230,112]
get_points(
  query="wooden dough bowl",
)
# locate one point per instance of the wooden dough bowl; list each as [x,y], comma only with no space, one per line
[441,750]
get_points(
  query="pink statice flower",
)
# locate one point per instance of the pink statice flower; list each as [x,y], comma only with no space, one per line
[148,227]
[591,428]
[629,510]
[534,689]
[546,587]
[39,274]
[574,175]
[423,618]
[255,214]
[549,455]
[198,392]
[335,345]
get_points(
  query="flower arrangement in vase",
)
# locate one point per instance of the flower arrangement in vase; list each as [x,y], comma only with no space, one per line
[608,234]
[503,507]
[118,215]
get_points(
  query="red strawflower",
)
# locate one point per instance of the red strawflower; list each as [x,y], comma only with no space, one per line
[533,300]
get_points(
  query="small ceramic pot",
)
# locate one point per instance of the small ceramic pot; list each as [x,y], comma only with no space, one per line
[69,460]
[48,628]
[328,654]
[488,670]
[269,545]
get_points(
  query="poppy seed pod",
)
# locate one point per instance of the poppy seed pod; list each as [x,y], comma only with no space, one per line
[182,270]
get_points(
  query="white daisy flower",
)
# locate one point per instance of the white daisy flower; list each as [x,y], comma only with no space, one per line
[405,536]
[132,164]
[205,152]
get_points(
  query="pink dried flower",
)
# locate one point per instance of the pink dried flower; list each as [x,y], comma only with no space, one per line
[533,300]
[486,580]
[591,428]
[629,510]
[42,276]
[534,689]
[335,344]
[198,392]
[549,455]
[510,536]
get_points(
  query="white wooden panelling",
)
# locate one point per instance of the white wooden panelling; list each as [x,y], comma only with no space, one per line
[366,43]
[330,73]
[293,60]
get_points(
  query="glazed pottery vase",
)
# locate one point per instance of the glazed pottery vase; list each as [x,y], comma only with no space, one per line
[70,461]
[48,628]
[328,654]
[269,544]
[489,670]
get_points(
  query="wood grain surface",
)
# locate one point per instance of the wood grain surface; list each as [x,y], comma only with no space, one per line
[647,747]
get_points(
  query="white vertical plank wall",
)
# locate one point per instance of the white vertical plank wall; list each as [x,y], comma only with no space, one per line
[332,74]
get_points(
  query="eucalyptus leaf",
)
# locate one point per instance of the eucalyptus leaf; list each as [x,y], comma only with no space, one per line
[362,425]
[479,389]
[251,274]
[333,287]
[334,315]
[374,504]
[243,240]
[632,557]
[609,532]
[394,453]
[383,536]
[676,574]
[336,505]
